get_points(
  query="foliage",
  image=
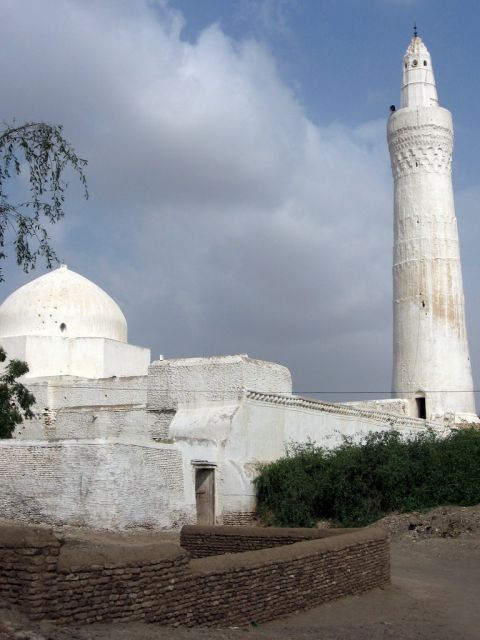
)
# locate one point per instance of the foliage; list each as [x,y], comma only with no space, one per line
[15,399]
[359,482]
[40,150]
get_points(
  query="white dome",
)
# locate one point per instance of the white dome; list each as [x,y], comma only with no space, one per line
[62,303]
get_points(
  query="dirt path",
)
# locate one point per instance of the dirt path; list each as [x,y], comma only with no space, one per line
[433,595]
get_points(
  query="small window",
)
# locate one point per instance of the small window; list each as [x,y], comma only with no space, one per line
[63,327]
[424,63]
[415,63]
[406,65]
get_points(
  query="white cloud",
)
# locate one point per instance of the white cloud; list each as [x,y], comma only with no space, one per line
[221,218]
[267,16]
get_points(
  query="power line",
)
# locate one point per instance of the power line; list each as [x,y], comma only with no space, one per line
[294,391]
[396,392]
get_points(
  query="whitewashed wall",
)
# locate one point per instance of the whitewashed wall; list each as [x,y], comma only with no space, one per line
[122,453]
[237,437]
[87,357]
[98,484]
[69,407]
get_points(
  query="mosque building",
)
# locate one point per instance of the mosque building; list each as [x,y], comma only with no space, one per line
[120,442]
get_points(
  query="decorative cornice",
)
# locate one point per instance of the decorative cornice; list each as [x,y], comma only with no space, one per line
[393,419]
[427,147]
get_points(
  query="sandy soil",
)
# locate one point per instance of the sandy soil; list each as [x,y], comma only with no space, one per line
[433,595]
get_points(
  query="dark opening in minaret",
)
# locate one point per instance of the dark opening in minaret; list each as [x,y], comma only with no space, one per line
[421,408]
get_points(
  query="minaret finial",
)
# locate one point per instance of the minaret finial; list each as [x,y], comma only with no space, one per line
[415,32]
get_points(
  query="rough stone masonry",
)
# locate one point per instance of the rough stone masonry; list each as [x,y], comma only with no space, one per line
[49,576]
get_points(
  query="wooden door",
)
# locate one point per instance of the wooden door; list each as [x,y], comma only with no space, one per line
[205,495]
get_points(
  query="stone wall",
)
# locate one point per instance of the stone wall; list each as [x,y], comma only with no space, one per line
[202,542]
[218,378]
[239,518]
[71,581]
[28,564]
[97,484]
[257,586]
[396,406]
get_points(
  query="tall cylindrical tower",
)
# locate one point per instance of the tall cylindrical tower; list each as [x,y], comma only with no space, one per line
[431,363]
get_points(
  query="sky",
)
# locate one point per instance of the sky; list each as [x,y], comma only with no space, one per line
[239,178]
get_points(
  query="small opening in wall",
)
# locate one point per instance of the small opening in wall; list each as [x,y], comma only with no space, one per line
[424,63]
[421,407]
[423,304]
[63,327]
[414,63]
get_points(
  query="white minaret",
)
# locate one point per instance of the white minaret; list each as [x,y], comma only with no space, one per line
[431,363]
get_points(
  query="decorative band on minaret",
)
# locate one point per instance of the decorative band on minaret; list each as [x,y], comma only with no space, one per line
[431,363]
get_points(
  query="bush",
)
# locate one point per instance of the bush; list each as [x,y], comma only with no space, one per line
[358,483]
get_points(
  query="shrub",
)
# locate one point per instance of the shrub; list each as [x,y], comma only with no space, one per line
[359,482]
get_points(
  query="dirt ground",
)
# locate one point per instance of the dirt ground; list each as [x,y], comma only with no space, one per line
[433,595]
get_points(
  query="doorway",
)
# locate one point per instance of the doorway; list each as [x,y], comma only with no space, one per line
[205,495]
[421,407]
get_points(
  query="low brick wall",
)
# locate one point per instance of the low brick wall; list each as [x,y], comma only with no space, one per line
[28,564]
[71,581]
[205,541]
[264,585]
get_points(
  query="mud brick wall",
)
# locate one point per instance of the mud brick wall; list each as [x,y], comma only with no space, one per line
[28,560]
[263,585]
[117,584]
[204,541]
[71,580]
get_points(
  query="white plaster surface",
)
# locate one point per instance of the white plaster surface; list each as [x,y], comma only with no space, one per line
[431,355]
[62,303]
[83,357]
[418,80]
[68,407]
[185,380]
[62,392]
[99,483]
[388,405]
[87,422]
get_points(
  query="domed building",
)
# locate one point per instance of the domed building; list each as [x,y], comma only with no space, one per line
[63,324]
